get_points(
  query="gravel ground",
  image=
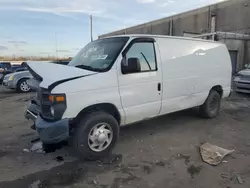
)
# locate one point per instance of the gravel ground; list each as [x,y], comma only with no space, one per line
[163,152]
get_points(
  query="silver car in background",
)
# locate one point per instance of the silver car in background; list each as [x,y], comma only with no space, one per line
[242,80]
[22,82]
[17,81]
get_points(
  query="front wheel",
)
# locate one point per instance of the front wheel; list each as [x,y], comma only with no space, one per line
[22,86]
[211,107]
[96,135]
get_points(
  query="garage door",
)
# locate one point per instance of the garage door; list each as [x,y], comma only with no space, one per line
[233,55]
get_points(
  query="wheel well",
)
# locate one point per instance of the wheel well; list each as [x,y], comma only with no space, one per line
[219,89]
[22,79]
[106,107]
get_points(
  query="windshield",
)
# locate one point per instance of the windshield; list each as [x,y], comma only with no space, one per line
[99,55]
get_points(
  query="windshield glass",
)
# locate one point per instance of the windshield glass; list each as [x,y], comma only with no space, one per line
[99,55]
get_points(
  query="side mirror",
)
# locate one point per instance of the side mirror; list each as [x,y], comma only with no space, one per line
[246,65]
[132,65]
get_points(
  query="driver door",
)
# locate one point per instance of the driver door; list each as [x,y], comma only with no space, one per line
[141,91]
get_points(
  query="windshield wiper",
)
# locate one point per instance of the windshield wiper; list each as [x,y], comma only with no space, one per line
[88,68]
[146,60]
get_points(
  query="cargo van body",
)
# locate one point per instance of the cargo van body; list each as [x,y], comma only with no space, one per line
[125,79]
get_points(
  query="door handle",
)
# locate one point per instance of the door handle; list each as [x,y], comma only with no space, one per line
[159,87]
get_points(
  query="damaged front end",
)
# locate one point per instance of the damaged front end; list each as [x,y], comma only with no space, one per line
[48,107]
[46,111]
[33,108]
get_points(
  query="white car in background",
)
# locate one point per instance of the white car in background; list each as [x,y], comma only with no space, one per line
[242,80]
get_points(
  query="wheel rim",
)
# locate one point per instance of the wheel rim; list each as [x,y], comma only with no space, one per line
[100,137]
[213,106]
[24,86]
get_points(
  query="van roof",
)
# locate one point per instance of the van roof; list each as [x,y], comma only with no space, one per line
[163,36]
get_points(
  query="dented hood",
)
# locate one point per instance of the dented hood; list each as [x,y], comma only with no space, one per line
[51,74]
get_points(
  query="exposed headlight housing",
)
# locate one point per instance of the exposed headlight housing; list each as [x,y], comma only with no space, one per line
[53,106]
[52,110]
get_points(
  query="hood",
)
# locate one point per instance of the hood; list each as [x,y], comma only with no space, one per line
[245,72]
[50,74]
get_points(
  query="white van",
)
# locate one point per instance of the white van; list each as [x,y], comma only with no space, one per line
[125,79]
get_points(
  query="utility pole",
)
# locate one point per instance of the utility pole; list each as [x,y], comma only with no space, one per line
[91,29]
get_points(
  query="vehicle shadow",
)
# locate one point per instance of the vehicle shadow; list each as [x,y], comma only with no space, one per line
[160,124]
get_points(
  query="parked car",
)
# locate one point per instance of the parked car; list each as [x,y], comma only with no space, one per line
[19,80]
[125,79]
[242,80]
[19,68]
[5,65]
[11,68]
[4,69]
[15,67]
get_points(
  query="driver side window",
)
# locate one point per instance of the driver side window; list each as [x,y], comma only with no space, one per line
[145,52]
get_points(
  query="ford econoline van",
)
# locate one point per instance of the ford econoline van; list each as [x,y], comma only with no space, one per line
[124,79]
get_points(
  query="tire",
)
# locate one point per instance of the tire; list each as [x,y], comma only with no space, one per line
[82,134]
[211,107]
[22,86]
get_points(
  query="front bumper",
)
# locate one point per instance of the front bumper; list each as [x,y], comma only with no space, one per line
[32,111]
[9,84]
[52,132]
[49,132]
[241,86]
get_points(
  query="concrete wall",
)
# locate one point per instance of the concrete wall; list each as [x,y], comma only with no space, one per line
[230,16]
[233,16]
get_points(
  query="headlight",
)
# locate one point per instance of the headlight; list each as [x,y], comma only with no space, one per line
[11,78]
[56,106]
[52,110]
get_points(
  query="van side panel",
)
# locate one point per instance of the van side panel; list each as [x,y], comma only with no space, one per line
[190,69]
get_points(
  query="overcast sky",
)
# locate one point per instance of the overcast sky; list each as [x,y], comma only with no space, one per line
[31,27]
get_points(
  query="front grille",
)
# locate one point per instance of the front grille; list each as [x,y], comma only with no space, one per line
[6,77]
[245,77]
[243,82]
[243,88]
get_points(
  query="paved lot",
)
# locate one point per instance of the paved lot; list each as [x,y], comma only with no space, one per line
[158,153]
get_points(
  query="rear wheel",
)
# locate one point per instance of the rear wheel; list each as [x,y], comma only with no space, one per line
[22,86]
[96,135]
[211,107]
